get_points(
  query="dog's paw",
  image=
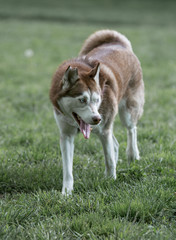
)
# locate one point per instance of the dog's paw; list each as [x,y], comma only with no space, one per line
[110,174]
[133,155]
[66,191]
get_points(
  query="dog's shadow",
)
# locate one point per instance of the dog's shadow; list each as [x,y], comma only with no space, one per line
[88,171]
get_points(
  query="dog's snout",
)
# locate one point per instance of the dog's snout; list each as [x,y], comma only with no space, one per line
[96,119]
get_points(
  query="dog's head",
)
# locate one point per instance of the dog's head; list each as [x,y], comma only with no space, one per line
[81,97]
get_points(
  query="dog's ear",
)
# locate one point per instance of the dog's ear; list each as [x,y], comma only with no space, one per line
[95,73]
[70,77]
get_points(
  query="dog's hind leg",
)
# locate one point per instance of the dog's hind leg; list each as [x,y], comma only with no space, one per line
[129,116]
[116,149]
[110,147]
[132,148]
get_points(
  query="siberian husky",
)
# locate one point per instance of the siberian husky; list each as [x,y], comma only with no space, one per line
[88,91]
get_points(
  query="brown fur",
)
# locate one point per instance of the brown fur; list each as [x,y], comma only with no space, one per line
[120,74]
[104,37]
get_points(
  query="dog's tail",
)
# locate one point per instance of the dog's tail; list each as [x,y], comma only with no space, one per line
[102,37]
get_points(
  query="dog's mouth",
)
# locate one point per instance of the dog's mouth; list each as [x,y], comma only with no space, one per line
[84,127]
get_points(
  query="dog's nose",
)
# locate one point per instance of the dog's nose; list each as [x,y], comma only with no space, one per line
[96,119]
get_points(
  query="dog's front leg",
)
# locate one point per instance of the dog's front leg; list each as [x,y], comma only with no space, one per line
[67,149]
[67,134]
[109,152]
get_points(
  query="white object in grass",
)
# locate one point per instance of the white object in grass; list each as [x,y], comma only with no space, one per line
[28,53]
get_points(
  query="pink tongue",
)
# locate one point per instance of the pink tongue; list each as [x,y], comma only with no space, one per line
[85,129]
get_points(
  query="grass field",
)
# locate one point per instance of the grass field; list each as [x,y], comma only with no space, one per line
[141,203]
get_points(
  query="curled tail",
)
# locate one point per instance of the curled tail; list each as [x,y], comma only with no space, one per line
[102,37]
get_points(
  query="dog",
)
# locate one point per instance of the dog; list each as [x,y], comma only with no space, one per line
[87,92]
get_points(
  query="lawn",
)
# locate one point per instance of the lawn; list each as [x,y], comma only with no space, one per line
[141,202]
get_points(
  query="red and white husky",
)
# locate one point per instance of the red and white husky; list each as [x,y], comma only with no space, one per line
[88,91]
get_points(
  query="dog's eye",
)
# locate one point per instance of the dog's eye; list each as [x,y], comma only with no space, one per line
[83,100]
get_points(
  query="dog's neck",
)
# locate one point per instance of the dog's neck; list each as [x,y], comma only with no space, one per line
[58,111]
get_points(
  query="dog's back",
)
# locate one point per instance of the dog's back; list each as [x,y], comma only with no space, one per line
[101,37]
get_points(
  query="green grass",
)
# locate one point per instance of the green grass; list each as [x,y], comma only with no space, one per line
[141,203]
